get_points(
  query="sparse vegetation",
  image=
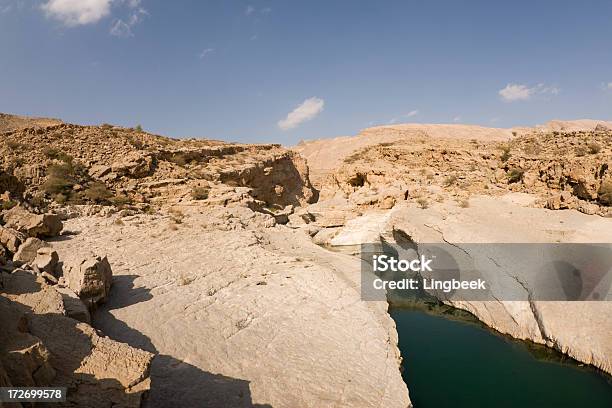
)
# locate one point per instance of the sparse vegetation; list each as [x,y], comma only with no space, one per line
[185,280]
[8,204]
[60,198]
[138,128]
[515,175]
[422,202]
[505,153]
[604,194]
[98,193]
[60,179]
[450,180]
[121,200]
[176,215]
[594,148]
[200,193]
[533,148]
[580,151]
[55,154]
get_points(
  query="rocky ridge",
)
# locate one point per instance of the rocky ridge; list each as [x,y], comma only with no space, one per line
[565,170]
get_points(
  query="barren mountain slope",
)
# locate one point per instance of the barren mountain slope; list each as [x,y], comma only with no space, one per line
[324,155]
[14,122]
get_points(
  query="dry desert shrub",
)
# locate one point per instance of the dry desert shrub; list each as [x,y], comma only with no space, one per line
[185,280]
[580,151]
[200,193]
[98,193]
[422,202]
[505,153]
[450,180]
[515,175]
[594,148]
[605,193]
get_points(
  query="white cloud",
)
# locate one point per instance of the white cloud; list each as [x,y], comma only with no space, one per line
[607,87]
[250,10]
[457,119]
[77,12]
[514,92]
[307,110]
[82,12]
[406,115]
[519,92]
[205,52]
[121,28]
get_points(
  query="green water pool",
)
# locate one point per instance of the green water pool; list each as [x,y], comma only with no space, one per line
[455,363]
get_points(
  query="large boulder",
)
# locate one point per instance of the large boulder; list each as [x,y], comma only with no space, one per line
[11,239]
[27,251]
[89,276]
[33,225]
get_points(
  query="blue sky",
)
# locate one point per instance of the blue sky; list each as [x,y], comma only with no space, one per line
[235,70]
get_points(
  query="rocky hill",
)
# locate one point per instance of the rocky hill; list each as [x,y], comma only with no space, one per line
[14,122]
[564,169]
[70,165]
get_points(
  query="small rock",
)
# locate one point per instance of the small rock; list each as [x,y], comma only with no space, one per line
[98,170]
[50,278]
[46,260]
[11,239]
[28,250]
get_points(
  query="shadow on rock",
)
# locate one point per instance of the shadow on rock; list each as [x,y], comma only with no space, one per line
[176,383]
[123,294]
[173,382]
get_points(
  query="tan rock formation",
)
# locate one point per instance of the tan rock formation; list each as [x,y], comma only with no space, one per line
[33,225]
